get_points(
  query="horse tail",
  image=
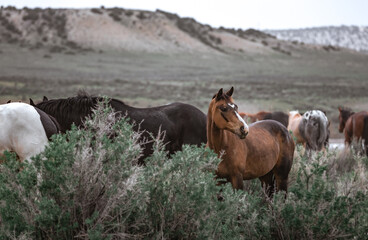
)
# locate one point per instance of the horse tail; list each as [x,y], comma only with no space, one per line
[49,123]
[56,123]
[365,134]
[323,133]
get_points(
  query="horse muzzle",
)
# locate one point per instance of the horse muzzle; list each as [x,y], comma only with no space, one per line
[243,133]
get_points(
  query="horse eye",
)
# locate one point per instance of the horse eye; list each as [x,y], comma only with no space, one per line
[222,108]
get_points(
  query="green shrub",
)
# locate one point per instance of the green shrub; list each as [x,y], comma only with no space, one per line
[87,184]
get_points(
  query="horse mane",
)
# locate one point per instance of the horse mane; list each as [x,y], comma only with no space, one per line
[74,109]
[345,113]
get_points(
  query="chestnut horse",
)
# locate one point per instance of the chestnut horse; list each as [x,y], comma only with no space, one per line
[281,117]
[263,150]
[353,125]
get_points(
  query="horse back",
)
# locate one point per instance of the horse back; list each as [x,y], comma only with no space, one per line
[354,126]
[269,146]
[190,122]
[280,117]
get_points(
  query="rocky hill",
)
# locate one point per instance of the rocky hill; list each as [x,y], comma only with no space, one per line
[70,30]
[352,37]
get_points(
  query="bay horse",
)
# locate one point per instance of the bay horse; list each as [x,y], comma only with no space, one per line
[281,117]
[24,129]
[353,125]
[182,123]
[310,129]
[263,150]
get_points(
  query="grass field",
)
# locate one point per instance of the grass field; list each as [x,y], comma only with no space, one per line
[308,79]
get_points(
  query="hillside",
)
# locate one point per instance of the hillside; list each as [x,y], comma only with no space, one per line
[132,30]
[352,37]
[152,58]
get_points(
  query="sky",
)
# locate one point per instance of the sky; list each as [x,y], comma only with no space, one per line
[244,14]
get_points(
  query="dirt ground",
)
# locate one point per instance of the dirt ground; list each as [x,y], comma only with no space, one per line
[306,80]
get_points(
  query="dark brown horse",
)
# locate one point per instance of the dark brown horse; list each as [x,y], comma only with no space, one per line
[181,123]
[265,150]
[281,117]
[353,125]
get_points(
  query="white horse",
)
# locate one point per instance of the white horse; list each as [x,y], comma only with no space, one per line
[21,130]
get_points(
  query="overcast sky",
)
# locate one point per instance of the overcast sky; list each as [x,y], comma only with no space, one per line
[260,14]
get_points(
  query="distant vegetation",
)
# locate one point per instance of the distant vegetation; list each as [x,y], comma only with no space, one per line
[88,185]
[353,37]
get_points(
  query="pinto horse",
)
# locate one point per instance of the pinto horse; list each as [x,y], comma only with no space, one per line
[310,129]
[354,126]
[182,123]
[24,129]
[263,150]
[281,117]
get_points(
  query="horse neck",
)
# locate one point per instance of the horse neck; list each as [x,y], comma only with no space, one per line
[216,137]
[120,106]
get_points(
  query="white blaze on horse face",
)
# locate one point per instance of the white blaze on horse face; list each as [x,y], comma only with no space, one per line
[239,117]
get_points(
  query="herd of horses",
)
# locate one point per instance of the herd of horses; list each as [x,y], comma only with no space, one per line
[263,149]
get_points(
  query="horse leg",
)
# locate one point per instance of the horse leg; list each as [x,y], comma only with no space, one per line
[222,172]
[237,181]
[268,183]
[281,182]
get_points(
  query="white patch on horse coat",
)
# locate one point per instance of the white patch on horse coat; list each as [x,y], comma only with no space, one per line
[316,114]
[293,113]
[242,120]
[232,105]
[21,130]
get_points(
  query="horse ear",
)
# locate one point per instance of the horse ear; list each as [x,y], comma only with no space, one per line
[230,92]
[31,102]
[8,101]
[219,94]
[339,109]
[44,99]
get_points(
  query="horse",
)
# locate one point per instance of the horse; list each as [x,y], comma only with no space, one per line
[254,117]
[281,117]
[263,150]
[310,129]
[24,129]
[353,125]
[365,134]
[181,123]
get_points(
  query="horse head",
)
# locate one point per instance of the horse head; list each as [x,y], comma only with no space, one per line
[343,117]
[224,114]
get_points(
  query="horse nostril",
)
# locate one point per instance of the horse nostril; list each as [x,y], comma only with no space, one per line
[242,128]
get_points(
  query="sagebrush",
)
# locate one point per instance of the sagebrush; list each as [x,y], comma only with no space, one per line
[87,184]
